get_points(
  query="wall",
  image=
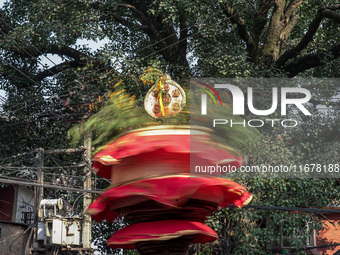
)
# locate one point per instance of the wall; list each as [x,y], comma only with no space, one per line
[12,198]
[23,195]
[9,231]
[330,234]
[6,203]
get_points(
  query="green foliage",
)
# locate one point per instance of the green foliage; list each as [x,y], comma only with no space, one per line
[120,114]
[251,231]
[102,232]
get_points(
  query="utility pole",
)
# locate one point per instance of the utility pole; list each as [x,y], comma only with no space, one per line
[39,195]
[86,235]
[39,190]
[40,157]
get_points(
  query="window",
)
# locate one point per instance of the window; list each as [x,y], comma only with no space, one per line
[27,214]
[289,239]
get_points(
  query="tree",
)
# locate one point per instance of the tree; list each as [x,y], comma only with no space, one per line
[198,38]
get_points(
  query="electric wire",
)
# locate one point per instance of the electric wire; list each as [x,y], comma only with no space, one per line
[19,155]
[179,41]
[181,30]
[47,185]
[7,63]
[9,179]
[31,57]
[255,207]
[68,176]
[45,119]
[36,58]
[150,44]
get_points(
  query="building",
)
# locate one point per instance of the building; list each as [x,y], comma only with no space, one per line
[330,235]
[323,242]
[17,204]
[14,238]
[16,216]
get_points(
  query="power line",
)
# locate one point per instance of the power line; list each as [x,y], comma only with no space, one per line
[179,41]
[70,150]
[3,99]
[258,207]
[183,39]
[63,183]
[38,97]
[45,119]
[25,107]
[63,178]
[174,34]
[31,57]
[45,185]
[19,71]
[31,54]
[19,155]
[36,58]
[292,209]
[294,250]
[32,169]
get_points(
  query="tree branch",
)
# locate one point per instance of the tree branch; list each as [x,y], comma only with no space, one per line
[143,19]
[3,25]
[270,51]
[56,69]
[290,20]
[260,20]
[26,49]
[79,58]
[104,9]
[156,27]
[292,7]
[315,102]
[183,36]
[65,51]
[147,26]
[332,15]
[245,35]
[313,27]
[312,60]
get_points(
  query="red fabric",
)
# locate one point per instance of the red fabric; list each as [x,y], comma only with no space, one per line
[184,145]
[172,191]
[127,237]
